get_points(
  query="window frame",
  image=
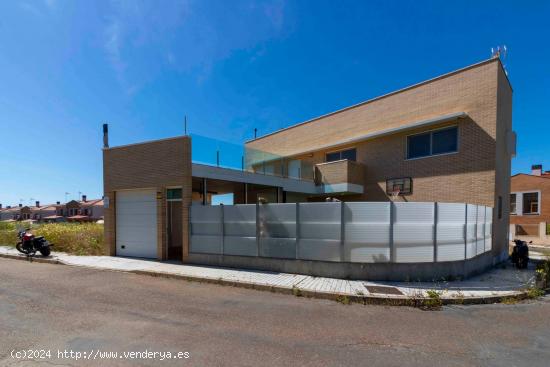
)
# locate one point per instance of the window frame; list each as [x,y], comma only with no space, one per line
[431,132]
[340,151]
[515,203]
[519,200]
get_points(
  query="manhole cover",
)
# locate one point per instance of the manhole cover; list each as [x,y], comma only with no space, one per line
[383,290]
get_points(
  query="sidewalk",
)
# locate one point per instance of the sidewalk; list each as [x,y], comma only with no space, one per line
[494,286]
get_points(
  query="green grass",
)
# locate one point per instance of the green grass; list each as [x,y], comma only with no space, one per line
[73,238]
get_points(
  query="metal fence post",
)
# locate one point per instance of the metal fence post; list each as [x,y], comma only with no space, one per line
[342,232]
[297,255]
[435,231]
[466,232]
[391,244]
[257,228]
[222,220]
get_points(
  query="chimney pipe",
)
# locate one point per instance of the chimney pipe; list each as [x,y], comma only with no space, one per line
[58,202]
[84,198]
[105,135]
[0,206]
[536,169]
[20,205]
[8,207]
[37,204]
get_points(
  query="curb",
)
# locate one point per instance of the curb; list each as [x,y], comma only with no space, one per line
[419,302]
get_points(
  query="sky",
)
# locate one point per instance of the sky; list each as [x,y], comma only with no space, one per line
[67,67]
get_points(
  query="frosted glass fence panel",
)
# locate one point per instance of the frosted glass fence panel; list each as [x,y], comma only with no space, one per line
[450,231]
[320,231]
[277,230]
[206,229]
[359,232]
[480,230]
[413,232]
[240,230]
[471,235]
[488,229]
[367,232]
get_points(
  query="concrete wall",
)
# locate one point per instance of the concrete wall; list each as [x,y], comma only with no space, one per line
[157,164]
[373,271]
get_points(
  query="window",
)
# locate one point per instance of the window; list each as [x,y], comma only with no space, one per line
[512,203]
[403,185]
[349,154]
[531,203]
[173,194]
[435,142]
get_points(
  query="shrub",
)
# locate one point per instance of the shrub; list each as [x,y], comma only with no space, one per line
[433,302]
[74,238]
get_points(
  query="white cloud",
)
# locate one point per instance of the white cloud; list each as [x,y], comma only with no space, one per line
[187,36]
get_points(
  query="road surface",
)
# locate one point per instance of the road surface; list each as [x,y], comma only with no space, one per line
[63,309]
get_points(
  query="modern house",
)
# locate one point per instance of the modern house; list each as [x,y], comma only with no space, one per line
[447,140]
[530,202]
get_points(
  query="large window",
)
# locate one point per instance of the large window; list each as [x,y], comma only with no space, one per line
[525,203]
[435,142]
[349,154]
[531,203]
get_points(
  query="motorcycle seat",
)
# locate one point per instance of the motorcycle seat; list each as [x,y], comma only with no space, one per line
[39,238]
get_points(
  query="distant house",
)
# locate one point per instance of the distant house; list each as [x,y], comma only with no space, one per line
[84,210]
[530,202]
[74,211]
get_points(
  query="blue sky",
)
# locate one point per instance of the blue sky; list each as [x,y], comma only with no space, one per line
[232,66]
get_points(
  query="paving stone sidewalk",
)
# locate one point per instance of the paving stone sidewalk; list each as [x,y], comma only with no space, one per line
[492,286]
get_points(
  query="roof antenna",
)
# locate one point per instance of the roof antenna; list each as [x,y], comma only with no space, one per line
[500,52]
[185,125]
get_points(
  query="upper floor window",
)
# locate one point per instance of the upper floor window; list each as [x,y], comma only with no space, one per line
[525,203]
[349,154]
[430,143]
[531,203]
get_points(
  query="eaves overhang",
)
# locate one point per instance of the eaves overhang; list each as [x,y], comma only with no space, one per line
[385,132]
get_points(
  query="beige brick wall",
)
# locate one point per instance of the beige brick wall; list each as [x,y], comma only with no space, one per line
[151,165]
[478,173]
[340,172]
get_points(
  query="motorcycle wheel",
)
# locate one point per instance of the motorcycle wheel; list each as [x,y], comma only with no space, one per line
[45,251]
[19,247]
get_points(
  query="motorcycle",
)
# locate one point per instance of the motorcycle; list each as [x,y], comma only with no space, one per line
[520,254]
[29,244]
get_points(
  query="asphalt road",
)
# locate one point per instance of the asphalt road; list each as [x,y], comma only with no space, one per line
[55,307]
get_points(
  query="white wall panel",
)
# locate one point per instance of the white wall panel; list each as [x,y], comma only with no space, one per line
[471,225]
[450,231]
[367,232]
[413,232]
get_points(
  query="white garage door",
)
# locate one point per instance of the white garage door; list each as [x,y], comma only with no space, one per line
[136,223]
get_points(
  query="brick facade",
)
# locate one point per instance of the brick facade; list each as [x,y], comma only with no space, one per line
[479,173]
[529,223]
[152,165]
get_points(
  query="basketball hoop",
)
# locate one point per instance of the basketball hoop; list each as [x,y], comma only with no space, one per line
[395,193]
